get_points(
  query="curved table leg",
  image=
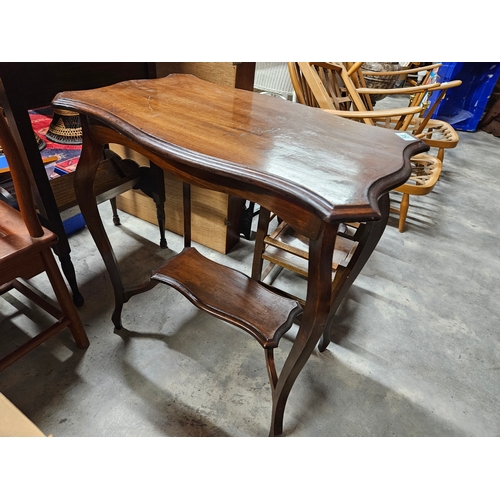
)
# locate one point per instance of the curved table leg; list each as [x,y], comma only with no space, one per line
[312,325]
[85,174]
[368,240]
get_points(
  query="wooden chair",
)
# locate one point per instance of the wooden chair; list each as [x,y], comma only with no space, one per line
[283,248]
[331,87]
[436,133]
[25,252]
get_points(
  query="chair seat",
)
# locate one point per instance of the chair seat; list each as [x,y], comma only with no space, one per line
[15,240]
[425,173]
[436,133]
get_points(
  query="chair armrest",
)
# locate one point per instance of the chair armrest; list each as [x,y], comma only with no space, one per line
[404,90]
[382,113]
[401,71]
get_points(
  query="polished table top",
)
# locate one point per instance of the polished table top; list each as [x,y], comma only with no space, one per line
[332,166]
[312,169]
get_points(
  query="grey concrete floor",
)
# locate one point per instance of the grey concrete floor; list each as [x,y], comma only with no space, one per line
[415,348]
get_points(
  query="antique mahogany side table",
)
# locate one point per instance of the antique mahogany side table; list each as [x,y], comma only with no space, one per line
[314,170]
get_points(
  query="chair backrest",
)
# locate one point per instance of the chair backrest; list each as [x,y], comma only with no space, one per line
[358,72]
[415,93]
[20,179]
[341,86]
[423,92]
[319,85]
[429,111]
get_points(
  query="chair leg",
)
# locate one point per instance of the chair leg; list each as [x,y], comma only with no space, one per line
[262,228]
[440,155]
[64,299]
[403,211]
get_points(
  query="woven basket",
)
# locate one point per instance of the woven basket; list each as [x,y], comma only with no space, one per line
[65,128]
[380,82]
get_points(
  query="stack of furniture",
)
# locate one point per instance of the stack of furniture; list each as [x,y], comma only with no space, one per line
[339,88]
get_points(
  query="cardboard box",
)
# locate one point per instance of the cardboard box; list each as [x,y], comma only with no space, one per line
[13,423]
[214,216]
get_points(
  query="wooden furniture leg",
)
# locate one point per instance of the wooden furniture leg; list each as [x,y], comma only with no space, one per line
[153,185]
[312,324]
[114,209]
[20,124]
[90,158]
[368,236]
[403,211]
[84,183]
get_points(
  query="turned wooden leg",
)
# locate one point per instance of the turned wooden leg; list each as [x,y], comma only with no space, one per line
[440,155]
[64,300]
[62,250]
[114,209]
[159,199]
[403,211]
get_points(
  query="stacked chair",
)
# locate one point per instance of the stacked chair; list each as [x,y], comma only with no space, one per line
[26,251]
[436,133]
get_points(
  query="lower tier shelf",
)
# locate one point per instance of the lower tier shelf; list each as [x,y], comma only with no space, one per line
[230,295]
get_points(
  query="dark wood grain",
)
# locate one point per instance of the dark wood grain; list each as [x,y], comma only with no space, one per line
[230,295]
[288,151]
[314,170]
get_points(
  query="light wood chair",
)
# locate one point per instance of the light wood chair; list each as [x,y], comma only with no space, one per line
[330,86]
[25,252]
[436,133]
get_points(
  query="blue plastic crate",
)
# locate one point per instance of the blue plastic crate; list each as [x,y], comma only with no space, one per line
[463,106]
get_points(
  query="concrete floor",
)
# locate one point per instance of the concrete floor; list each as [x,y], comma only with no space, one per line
[415,350]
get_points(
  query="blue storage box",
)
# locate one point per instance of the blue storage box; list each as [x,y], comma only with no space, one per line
[463,106]
[74,223]
[3,164]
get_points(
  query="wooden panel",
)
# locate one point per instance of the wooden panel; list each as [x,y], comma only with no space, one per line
[13,423]
[222,73]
